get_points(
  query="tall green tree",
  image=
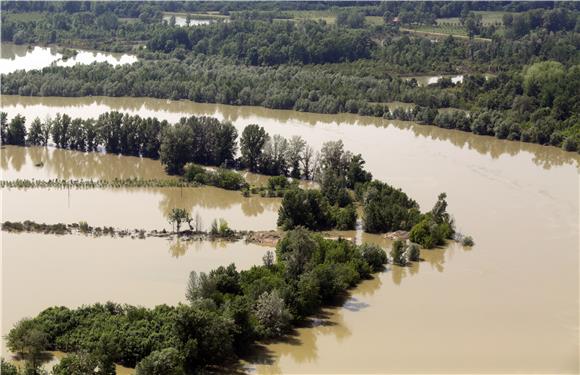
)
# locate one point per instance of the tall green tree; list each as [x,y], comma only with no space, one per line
[176,147]
[252,143]
[16,134]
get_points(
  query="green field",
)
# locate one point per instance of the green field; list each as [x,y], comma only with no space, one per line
[329,16]
[199,16]
[25,17]
[487,18]
[452,25]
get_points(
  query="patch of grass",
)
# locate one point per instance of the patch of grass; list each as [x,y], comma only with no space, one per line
[25,17]
[447,28]
[491,17]
[374,20]
[199,16]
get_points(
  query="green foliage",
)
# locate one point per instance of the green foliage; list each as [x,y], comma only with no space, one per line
[467,241]
[310,42]
[429,233]
[374,256]
[413,252]
[77,364]
[221,178]
[278,183]
[221,228]
[272,316]
[253,139]
[398,254]
[162,362]
[178,216]
[386,208]
[29,339]
[16,131]
[229,310]
[204,337]
[544,80]
[7,368]
[36,134]
[435,227]
[308,208]
[344,218]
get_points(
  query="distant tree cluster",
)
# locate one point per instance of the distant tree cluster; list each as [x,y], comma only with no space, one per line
[386,208]
[228,310]
[527,104]
[201,140]
[267,43]
[554,20]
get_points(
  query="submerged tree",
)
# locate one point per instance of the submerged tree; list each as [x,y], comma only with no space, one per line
[398,254]
[178,216]
[16,132]
[252,143]
[272,315]
[28,339]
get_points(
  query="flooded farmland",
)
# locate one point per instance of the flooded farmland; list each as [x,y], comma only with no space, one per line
[513,297]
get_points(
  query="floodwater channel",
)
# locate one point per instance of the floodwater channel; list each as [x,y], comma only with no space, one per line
[509,304]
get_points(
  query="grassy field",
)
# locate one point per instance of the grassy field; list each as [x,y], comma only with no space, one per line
[487,18]
[25,17]
[445,28]
[199,16]
[452,26]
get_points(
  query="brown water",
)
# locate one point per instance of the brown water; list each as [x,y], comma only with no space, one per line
[146,208]
[39,271]
[508,305]
[16,57]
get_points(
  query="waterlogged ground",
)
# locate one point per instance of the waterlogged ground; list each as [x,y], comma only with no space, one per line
[17,57]
[39,271]
[508,305]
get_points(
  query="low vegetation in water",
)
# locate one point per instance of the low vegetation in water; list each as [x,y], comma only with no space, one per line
[175,217]
[115,183]
[227,312]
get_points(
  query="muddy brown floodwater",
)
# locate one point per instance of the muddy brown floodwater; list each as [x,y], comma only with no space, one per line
[510,304]
[16,57]
[39,271]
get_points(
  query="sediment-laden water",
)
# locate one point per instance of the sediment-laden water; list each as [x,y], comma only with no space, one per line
[510,304]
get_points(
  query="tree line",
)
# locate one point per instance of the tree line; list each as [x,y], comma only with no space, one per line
[227,311]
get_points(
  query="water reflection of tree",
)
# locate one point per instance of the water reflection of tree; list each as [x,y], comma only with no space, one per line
[74,164]
[544,156]
[212,198]
[179,247]
[432,257]
[172,110]
[17,159]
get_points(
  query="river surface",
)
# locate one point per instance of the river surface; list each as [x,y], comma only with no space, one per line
[22,57]
[39,271]
[510,304]
[181,20]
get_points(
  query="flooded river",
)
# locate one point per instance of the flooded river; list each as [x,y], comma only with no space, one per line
[508,305]
[16,57]
[39,271]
